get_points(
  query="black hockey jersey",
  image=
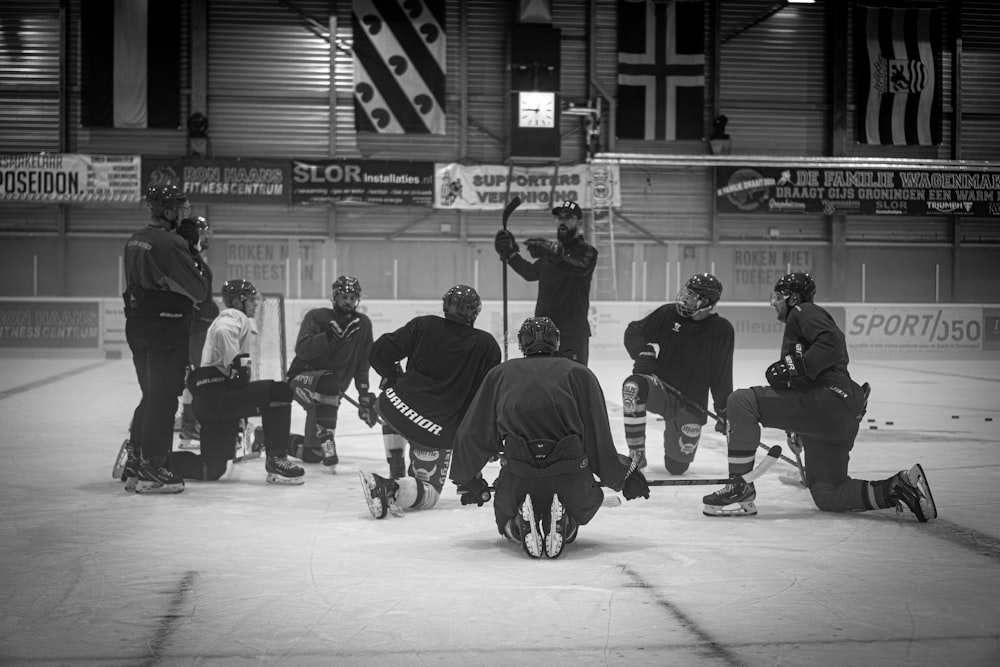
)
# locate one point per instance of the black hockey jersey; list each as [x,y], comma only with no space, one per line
[824,348]
[347,358]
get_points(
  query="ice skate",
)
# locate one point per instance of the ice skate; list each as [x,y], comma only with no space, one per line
[380,493]
[329,446]
[152,478]
[127,467]
[561,530]
[282,471]
[638,454]
[734,499]
[527,528]
[118,470]
[910,488]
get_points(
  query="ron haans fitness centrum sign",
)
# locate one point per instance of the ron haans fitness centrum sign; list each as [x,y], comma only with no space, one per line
[841,191]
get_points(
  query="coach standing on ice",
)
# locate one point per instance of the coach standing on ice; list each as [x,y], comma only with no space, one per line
[163,284]
[563,269]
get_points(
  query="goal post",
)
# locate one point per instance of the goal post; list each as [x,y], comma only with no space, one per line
[269,356]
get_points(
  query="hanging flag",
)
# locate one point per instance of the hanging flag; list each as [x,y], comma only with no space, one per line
[399,66]
[898,61]
[130,63]
[661,70]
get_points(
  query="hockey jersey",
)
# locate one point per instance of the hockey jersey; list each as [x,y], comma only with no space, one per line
[230,334]
[347,357]
[824,349]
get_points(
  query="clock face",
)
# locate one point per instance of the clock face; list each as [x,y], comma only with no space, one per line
[536,109]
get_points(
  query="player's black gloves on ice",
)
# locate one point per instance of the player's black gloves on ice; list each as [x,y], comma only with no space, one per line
[722,423]
[505,245]
[542,248]
[645,363]
[787,373]
[476,490]
[239,369]
[390,379]
[366,408]
[335,330]
[635,484]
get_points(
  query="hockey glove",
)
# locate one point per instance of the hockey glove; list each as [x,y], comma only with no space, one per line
[787,373]
[794,442]
[645,362]
[505,245]
[239,369]
[390,379]
[635,484]
[541,248]
[337,331]
[722,424]
[366,409]
[476,490]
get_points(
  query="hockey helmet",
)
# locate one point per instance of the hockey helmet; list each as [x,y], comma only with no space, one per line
[163,198]
[347,285]
[538,335]
[795,288]
[700,292]
[236,292]
[462,304]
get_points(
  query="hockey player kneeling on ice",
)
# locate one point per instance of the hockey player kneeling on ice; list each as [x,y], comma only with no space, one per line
[546,417]
[695,356]
[223,394]
[331,351]
[811,394]
[446,360]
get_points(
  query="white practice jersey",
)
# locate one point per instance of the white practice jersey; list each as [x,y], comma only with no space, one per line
[230,334]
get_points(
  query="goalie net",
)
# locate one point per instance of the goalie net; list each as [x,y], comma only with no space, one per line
[269,351]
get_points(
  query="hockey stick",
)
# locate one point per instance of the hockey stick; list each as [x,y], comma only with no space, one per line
[358,406]
[705,411]
[510,208]
[773,454]
[609,501]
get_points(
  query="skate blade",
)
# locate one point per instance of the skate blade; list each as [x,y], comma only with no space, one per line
[748,508]
[375,506]
[274,478]
[927,505]
[119,468]
[554,540]
[532,541]
[154,488]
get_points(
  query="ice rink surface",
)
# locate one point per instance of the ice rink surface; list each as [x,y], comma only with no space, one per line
[238,572]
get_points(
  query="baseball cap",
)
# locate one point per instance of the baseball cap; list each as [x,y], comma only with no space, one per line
[569,207]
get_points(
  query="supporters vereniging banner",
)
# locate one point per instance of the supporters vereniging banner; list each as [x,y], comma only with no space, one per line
[897,59]
[130,64]
[490,187]
[661,70]
[68,177]
[399,66]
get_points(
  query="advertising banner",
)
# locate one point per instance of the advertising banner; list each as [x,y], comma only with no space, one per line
[842,191]
[914,329]
[387,182]
[208,180]
[56,178]
[67,324]
[487,187]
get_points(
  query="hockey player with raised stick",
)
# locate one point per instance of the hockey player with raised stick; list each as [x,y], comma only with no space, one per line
[563,269]
[688,347]
[811,394]
[162,285]
[546,416]
[446,360]
[331,351]
[224,394]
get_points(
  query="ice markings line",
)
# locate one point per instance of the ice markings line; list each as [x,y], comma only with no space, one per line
[973,540]
[707,644]
[169,620]
[52,378]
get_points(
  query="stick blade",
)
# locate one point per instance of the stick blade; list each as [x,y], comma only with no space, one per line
[510,208]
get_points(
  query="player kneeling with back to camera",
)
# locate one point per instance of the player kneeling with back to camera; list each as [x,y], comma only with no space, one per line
[446,360]
[223,394]
[812,397]
[546,418]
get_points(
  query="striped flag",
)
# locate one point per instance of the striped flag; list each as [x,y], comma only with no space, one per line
[399,66]
[661,70]
[130,63]
[898,56]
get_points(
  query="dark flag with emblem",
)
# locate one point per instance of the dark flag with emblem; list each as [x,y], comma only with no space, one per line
[898,56]
[661,70]
[399,66]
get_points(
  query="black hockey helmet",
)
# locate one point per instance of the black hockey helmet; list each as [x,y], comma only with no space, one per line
[538,335]
[795,288]
[462,304]
[347,285]
[163,198]
[701,291]
[236,291]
